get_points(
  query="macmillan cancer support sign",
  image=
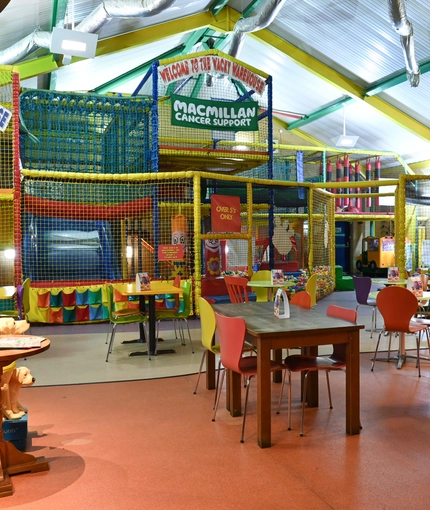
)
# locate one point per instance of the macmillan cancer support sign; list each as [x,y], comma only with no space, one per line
[215,115]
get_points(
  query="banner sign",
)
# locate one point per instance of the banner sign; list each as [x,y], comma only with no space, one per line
[171,252]
[211,64]
[5,116]
[225,214]
[215,115]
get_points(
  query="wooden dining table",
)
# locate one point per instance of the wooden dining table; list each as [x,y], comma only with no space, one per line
[306,329]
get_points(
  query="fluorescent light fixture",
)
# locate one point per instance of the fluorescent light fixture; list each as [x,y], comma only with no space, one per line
[73,42]
[345,141]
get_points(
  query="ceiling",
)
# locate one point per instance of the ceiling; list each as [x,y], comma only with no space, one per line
[331,60]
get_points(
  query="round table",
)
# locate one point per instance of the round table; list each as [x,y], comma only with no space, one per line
[12,461]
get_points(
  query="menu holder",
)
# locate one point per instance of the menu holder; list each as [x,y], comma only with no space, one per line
[143,281]
[277,277]
[415,285]
[393,274]
[281,301]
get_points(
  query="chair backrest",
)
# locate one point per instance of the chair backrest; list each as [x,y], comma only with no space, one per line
[302,298]
[339,350]
[362,286]
[26,296]
[237,288]
[265,276]
[231,336]
[110,303]
[311,287]
[397,306]
[19,300]
[207,323]
[185,306]
[342,313]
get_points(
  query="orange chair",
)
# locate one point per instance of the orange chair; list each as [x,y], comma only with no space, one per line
[306,364]
[398,306]
[237,287]
[231,336]
[303,299]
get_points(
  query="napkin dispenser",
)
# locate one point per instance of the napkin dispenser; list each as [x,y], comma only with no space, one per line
[281,305]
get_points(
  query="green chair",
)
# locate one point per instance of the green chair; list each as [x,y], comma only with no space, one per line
[122,317]
[178,316]
[259,276]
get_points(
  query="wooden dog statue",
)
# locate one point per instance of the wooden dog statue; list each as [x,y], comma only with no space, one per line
[11,382]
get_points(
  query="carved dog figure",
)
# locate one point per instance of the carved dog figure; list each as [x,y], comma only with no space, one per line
[11,383]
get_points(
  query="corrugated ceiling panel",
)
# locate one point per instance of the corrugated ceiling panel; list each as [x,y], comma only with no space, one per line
[89,74]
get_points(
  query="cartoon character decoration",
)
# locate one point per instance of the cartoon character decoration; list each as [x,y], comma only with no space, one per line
[212,257]
[282,235]
[180,236]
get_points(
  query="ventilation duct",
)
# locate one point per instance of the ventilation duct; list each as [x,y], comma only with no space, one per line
[94,22]
[401,24]
[261,18]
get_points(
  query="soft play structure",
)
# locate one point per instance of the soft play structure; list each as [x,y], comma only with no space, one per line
[101,187]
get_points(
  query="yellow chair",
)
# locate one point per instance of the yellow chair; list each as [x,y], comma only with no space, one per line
[208,327]
[311,287]
[259,276]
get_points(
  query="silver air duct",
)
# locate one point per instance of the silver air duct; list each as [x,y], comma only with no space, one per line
[94,22]
[401,24]
[261,18]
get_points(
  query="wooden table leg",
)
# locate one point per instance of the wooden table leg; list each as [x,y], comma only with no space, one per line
[353,423]
[313,386]
[234,393]
[264,418]
[210,370]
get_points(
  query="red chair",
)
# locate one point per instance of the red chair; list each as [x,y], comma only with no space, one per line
[398,306]
[237,287]
[303,299]
[231,336]
[306,364]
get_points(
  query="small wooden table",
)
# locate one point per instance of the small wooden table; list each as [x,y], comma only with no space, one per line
[307,329]
[384,281]
[13,461]
[156,288]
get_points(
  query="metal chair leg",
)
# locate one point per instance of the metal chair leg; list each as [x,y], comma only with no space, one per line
[244,410]
[305,385]
[112,336]
[218,396]
[205,355]
[328,388]
[281,392]
[376,352]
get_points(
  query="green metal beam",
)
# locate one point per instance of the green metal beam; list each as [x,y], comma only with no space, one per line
[136,72]
[218,6]
[322,112]
[395,79]
[251,7]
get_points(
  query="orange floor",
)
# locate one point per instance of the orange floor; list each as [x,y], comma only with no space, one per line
[151,444]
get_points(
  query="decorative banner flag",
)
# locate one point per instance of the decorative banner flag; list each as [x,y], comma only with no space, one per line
[225,214]
[5,116]
[215,115]
[210,64]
